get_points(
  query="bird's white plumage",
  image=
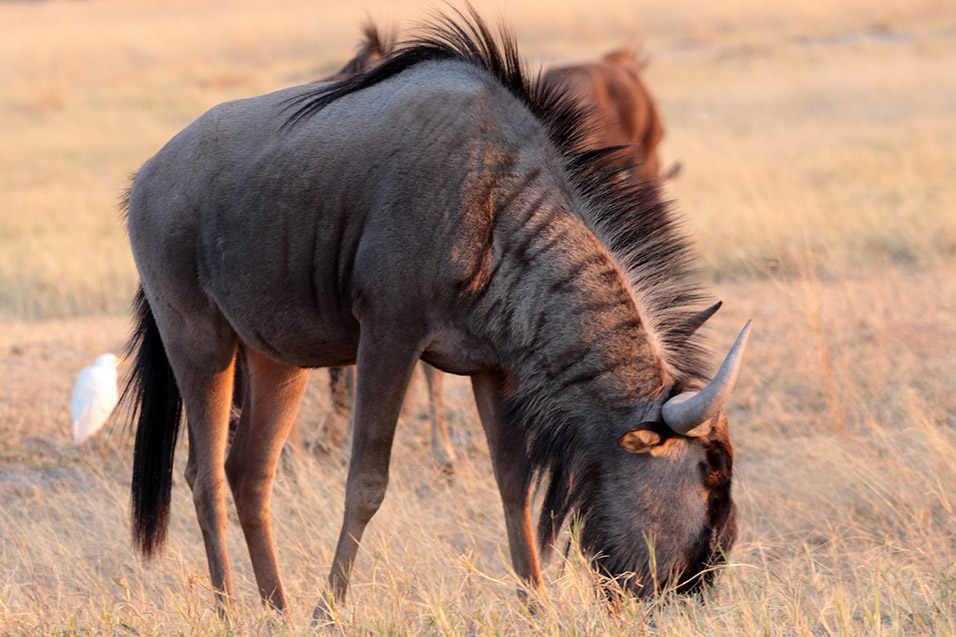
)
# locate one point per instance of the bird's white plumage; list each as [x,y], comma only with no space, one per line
[94,397]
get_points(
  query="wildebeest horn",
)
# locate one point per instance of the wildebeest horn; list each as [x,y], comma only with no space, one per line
[693,324]
[686,411]
[673,172]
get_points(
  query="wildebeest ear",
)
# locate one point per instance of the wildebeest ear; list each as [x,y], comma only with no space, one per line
[639,440]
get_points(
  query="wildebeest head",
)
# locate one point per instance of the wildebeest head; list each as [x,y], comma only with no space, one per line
[653,495]
[650,484]
[662,516]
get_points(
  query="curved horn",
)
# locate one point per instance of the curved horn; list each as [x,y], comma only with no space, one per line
[693,324]
[690,409]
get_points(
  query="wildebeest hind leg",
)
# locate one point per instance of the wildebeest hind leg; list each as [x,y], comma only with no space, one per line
[268,413]
[442,451]
[513,477]
[384,368]
[338,428]
[202,357]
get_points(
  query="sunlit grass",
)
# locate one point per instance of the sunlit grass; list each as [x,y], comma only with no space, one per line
[841,534]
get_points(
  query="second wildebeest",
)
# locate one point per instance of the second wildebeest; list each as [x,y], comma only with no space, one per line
[614,94]
[434,207]
[374,47]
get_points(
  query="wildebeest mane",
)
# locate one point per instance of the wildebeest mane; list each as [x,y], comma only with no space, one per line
[374,41]
[630,218]
[466,40]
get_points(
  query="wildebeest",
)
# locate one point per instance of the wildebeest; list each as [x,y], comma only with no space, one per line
[622,108]
[434,207]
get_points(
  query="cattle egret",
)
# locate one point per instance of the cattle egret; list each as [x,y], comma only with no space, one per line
[94,396]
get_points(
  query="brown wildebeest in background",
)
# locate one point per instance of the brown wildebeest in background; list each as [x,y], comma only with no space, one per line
[435,207]
[372,48]
[341,389]
[622,107]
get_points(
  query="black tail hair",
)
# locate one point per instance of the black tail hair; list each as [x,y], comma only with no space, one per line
[157,408]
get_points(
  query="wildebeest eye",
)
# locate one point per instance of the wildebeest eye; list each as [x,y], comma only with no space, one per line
[715,470]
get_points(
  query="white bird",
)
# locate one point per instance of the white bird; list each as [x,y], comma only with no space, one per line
[94,396]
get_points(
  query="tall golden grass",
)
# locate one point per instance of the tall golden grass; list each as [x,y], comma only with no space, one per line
[819,183]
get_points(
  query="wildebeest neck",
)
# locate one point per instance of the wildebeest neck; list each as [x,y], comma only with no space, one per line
[566,322]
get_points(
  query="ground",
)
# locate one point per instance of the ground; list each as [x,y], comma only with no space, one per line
[819,184]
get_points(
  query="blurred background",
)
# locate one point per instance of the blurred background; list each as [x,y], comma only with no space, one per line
[808,131]
[818,143]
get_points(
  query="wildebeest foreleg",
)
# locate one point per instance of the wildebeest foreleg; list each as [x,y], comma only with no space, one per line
[384,368]
[442,450]
[268,413]
[513,477]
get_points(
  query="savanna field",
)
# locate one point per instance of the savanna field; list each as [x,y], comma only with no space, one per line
[818,145]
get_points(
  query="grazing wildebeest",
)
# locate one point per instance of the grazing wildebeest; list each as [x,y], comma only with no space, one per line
[435,207]
[623,110]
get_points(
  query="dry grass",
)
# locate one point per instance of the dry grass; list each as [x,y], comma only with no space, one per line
[819,180]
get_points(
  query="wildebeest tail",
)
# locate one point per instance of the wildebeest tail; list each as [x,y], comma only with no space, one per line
[157,407]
